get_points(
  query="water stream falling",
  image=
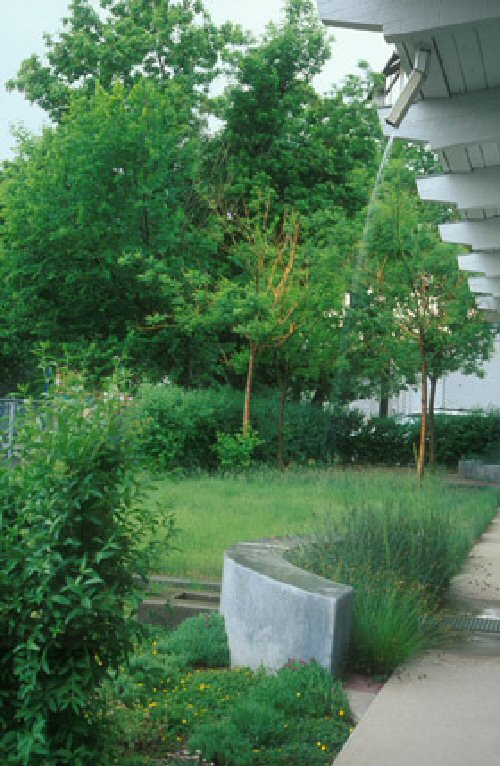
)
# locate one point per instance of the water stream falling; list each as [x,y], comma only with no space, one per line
[362,251]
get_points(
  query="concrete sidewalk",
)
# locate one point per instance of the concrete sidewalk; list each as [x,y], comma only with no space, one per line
[443,709]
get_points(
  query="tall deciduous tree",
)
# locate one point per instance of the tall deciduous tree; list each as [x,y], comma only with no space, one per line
[425,315]
[265,299]
[102,215]
[126,41]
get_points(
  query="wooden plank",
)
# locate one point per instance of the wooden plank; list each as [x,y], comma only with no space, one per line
[480,235]
[479,189]
[466,42]
[360,14]
[489,35]
[487,263]
[447,53]
[476,155]
[472,118]
[491,153]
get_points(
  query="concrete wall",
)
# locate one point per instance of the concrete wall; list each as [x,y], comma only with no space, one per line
[275,611]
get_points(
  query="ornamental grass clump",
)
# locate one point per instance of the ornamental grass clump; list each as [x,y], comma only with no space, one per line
[400,554]
[71,518]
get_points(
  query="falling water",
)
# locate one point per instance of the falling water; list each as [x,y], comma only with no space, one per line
[370,211]
[362,248]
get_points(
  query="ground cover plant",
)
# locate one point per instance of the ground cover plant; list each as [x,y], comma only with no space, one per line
[173,699]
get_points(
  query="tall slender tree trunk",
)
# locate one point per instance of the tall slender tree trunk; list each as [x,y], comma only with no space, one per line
[384,396]
[423,423]
[283,386]
[432,432]
[248,387]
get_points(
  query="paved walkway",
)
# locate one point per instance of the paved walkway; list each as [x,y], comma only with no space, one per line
[443,709]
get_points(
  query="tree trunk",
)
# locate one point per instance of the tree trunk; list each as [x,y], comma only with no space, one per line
[248,388]
[383,411]
[423,424]
[432,436]
[283,384]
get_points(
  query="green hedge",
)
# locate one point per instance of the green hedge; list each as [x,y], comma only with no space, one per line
[180,430]
[180,427]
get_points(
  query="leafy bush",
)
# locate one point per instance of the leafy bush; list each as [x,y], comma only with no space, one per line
[235,452]
[383,441]
[201,641]
[180,429]
[161,703]
[70,521]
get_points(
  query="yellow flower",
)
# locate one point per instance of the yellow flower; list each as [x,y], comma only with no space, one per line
[298,695]
[341,712]
[323,747]
[155,651]
[184,721]
[155,643]
[153,704]
[319,744]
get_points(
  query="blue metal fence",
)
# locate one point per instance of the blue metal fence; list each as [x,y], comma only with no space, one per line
[9,410]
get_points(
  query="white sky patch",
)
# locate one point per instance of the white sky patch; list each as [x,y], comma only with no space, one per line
[23,23]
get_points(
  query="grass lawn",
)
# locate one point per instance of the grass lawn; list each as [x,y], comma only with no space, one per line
[214,512]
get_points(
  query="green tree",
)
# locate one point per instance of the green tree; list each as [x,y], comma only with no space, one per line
[264,300]
[126,41]
[417,308]
[103,219]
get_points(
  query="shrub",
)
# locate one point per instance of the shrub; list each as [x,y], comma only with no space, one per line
[180,429]
[235,452]
[294,714]
[237,718]
[70,520]
[201,641]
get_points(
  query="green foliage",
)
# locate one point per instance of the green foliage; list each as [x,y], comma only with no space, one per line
[130,41]
[383,441]
[400,555]
[201,641]
[282,717]
[161,701]
[235,452]
[180,427]
[390,623]
[71,524]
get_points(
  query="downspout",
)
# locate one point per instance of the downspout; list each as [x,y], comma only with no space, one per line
[413,86]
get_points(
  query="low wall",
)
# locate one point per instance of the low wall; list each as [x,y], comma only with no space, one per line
[477,470]
[275,611]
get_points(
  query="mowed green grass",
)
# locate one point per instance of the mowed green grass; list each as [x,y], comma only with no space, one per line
[214,512]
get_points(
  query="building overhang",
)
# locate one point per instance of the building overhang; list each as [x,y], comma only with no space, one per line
[456,111]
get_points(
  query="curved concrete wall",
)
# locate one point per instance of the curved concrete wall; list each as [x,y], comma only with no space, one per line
[275,611]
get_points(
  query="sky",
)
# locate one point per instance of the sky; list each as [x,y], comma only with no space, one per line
[25,21]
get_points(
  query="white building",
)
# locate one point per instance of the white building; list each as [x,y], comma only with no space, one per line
[454,393]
